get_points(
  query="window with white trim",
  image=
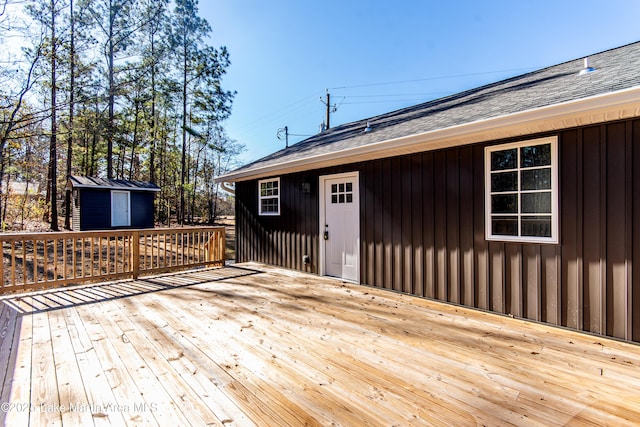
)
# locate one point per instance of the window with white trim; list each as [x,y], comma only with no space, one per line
[521,185]
[269,196]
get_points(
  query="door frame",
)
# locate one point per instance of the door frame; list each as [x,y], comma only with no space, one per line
[128,194]
[322,222]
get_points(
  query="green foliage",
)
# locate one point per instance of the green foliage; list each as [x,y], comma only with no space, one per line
[147,103]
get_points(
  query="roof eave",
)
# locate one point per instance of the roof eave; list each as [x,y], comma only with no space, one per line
[611,106]
[112,187]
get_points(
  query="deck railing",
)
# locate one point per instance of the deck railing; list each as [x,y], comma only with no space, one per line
[47,260]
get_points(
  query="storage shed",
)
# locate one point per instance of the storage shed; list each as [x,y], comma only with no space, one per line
[106,204]
[520,197]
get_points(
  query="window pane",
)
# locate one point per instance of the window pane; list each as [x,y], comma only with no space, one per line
[504,203]
[537,155]
[341,198]
[504,181]
[349,186]
[349,198]
[505,159]
[537,226]
[269,205]
[334,188]
[504,225]
[334,198]
[536,202]
[535,179]
[341,188]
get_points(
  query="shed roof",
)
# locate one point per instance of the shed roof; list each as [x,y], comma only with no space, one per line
[111,184]
[549,99]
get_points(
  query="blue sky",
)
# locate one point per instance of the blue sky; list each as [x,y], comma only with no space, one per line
[378,56]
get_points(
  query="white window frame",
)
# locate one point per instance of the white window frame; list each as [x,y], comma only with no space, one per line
[555,236]
[128,193]
[261,197]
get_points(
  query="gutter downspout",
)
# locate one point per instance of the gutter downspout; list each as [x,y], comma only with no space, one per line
[226,187]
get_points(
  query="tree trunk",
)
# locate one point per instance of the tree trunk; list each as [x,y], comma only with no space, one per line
[53,161]
[134,142]
[111,124]
[72,89]
[6,201]
[183,163]
[154,121]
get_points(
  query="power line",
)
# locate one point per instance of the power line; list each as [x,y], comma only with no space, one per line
[453,76]
[385,101]
[396,94]
[277,113]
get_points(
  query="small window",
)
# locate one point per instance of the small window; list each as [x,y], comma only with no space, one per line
[342,193]
[522,191]
[269,196]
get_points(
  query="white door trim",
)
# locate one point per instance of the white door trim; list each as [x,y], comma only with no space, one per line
[322,217]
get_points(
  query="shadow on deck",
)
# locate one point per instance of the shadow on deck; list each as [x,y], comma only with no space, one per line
[61,298]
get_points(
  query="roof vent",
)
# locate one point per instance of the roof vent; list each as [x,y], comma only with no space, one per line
[368,128]
[587,69]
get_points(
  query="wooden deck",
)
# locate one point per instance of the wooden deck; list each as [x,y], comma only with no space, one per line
[251,345]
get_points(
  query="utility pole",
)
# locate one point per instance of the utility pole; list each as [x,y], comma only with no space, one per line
[286,135]
[330,109]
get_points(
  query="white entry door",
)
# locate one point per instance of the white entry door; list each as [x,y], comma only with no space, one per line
[120,213]
[340,226]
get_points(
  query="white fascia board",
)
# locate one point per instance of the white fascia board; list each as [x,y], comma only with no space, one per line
[595,109]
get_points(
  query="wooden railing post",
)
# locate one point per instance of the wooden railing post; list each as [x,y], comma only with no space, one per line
[223,246]
[135,262]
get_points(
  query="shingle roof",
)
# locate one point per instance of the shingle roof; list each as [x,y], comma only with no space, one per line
[616,69]
[112,184]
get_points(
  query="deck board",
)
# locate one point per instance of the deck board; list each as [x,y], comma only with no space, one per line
[251,345]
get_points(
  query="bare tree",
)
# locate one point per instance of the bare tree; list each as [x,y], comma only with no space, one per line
[11,117]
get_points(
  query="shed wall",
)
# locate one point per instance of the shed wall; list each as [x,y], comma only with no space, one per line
[422,232]
[95,210]
[142,209]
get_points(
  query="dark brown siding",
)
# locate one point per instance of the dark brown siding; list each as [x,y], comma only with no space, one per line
[422,232]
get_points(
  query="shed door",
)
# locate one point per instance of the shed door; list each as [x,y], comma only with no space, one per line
[340,226]
[120,209]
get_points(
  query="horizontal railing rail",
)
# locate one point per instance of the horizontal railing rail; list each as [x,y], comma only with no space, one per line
[33,261]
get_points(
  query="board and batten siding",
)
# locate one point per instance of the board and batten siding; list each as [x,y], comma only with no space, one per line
[423,232]
[142,209]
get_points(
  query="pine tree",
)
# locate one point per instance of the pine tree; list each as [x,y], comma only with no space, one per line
[201,68]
